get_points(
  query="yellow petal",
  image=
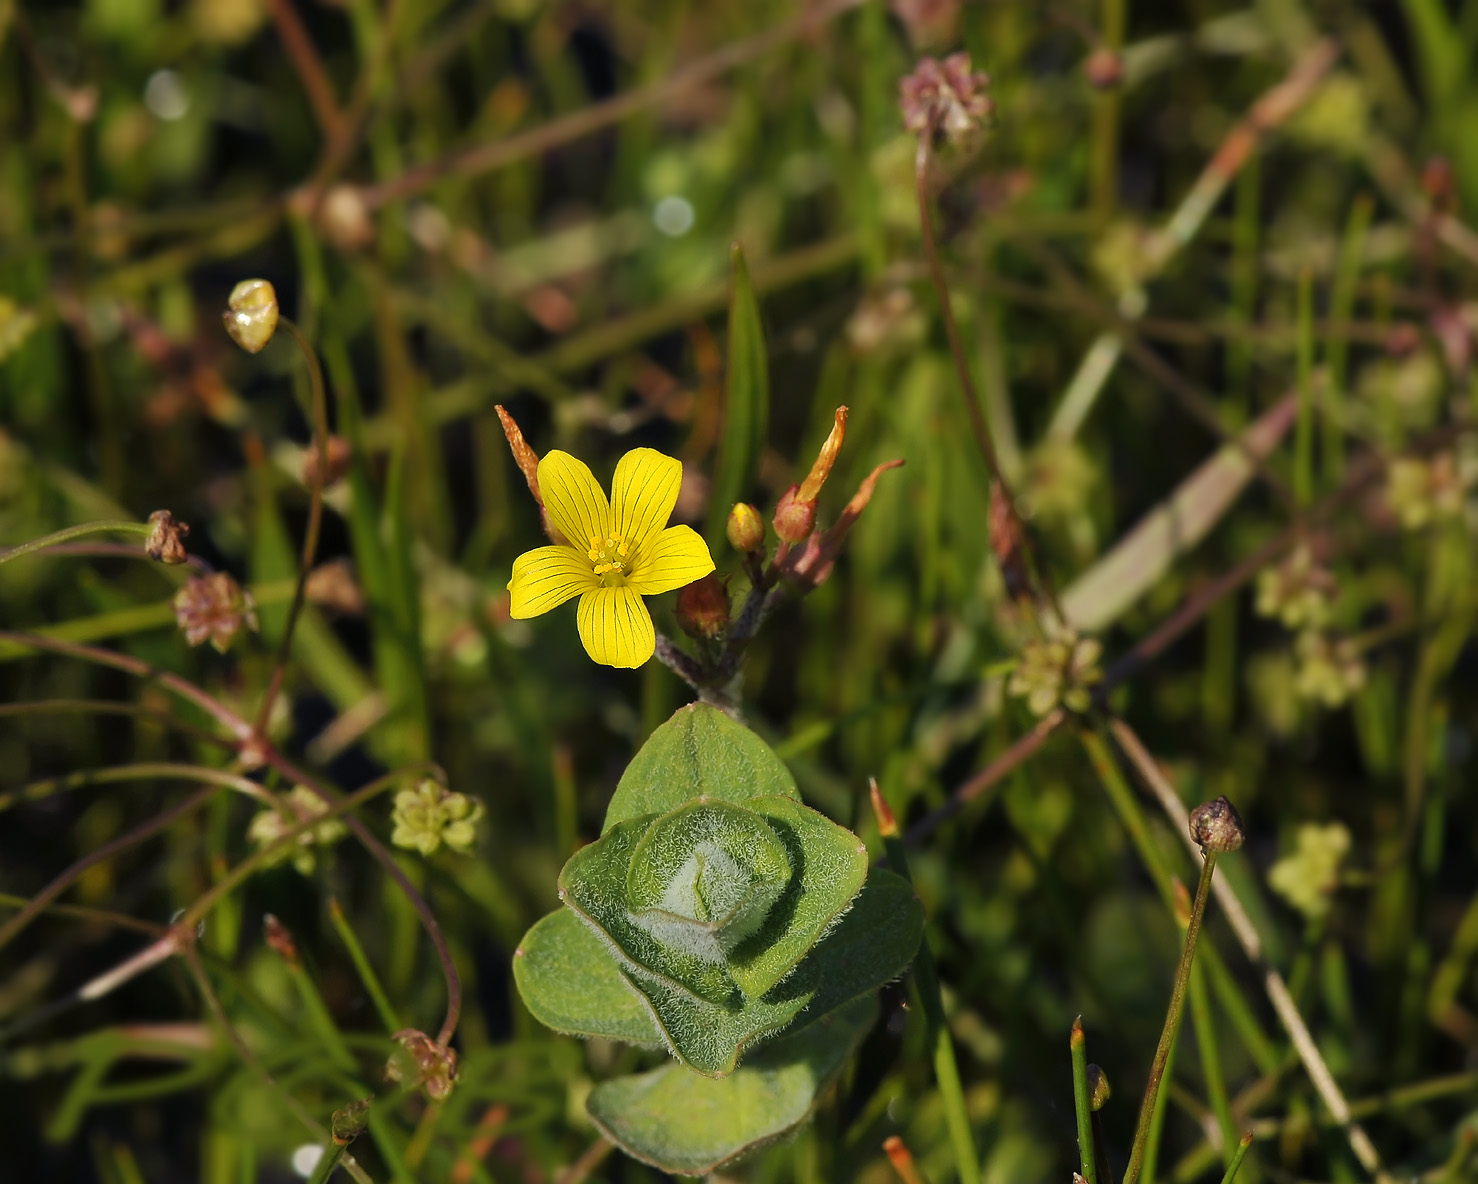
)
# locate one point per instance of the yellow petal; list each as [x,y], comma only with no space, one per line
[573,498]
[616,627]
[676,557]
[643,492]
[546,577]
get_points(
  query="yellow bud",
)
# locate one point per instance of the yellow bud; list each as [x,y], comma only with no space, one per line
[251,314]
[746,529]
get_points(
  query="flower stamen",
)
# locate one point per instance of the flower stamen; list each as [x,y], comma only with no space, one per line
[611,556]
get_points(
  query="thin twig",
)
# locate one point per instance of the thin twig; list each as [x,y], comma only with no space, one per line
[309,66]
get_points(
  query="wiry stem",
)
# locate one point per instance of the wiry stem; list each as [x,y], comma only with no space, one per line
[1087,1145]
[316,471]
[1172,1021]
[75,532]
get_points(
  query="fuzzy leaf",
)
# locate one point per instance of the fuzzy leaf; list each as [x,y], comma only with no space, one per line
[873,943]
[700,751]
[679,1122]
[570,983]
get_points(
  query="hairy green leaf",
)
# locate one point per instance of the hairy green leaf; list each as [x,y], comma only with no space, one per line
[570,983]
[691,1125]
[700,751]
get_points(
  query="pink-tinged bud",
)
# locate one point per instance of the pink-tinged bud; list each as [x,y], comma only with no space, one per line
[816,478]
[703,608]
[794,519]
[1103,68]
[746,529]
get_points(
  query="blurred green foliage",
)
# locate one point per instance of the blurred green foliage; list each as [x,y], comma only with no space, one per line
[533,202]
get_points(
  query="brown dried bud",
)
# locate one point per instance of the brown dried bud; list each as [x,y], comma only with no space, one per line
[887,823]
[794,519]
[421,1061]
[524,457]
[331,466]
[251,314]
[1008,543]
[745,528]
[166,541]
[1103,68]
[703,608]
[946,96]
[334,586]
[349,1122]
[280,939]
[827,457]
[1098,1088]
[1217,826]
[214,608]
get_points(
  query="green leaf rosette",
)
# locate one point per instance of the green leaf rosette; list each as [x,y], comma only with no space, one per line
[718,917]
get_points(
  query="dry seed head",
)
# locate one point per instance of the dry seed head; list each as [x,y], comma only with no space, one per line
[1217,826]
[251,314]
[166,541]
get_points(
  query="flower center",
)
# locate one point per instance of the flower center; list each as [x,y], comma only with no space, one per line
[611,557]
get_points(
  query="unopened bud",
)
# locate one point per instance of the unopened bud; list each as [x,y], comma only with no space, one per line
[827,457]
[746,529]
[1217,826]
[251,314]
[703,608]
[280,939]
[166,541]
[1103,68]
[1098,1088]
[794,519]
[887,822]
[329,464]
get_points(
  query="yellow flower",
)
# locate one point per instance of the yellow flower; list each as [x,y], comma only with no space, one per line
[618,552]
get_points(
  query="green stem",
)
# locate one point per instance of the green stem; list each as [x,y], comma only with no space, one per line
[75,532]
[1157,1123]
[319,455]
[1086,1154]
[1231,1173]
[147,771]
[1303,440]
[1341,305]
[1106,117]
[327,1162]
[946,1070]
[1205,1028]
[1172,1021]
[361,962]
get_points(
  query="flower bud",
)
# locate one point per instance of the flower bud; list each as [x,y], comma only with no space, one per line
[421,1061]
[166,541]
[251,314]
[349,1122]
[794,519]
[746,529]
[279,939]
[1098,1088]
[827,457]
[1103,68]
[214,608]
[703,608]
[1217,826]
[887,823]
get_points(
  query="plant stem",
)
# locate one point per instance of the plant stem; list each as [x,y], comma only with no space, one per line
[1303,440]
[361,962]
[1087,1155]
[926,981]
[144,771]
[316,470]
[1241,1154]
[1172,1021]
[75,532]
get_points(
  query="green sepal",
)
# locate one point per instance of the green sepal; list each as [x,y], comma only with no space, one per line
[699,752]
[691,1125]
[570,982]
[872,943]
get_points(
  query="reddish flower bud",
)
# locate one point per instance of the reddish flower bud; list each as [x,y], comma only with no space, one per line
[794,519]
[703,608]
[1103,68]
[746,529]
[816,478]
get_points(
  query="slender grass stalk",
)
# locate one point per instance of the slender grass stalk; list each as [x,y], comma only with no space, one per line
[1106,107]
[1157,1122]
[1303,438]
[145,771]
[1204,1025]
[926,981]
[1238,1156]
[316,474]
[82,530]
[1087,1155]
[327,1162]
[1337,353]
[1246,223]
[1172,1022]
[361,962]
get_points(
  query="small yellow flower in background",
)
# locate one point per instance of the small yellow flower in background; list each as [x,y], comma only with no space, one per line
[618,551]
[430,815]
[1307,877]
[297,807]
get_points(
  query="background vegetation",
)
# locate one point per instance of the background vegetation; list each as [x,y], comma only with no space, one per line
[1184,219]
